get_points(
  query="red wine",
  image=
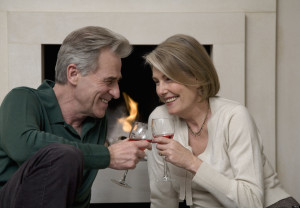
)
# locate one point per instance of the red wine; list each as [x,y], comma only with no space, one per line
[138,139]
[169,136]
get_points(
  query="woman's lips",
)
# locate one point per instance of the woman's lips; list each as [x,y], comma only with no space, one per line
[169,100]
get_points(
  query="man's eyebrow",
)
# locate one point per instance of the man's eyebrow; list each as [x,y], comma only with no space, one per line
[112,78]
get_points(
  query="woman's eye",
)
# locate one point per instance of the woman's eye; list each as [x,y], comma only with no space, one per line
[156,82]
[168,79]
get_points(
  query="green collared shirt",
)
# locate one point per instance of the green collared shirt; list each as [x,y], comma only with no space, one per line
[31,119]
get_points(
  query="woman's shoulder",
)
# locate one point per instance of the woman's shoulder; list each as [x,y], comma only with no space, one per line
[229,110]
[220,104]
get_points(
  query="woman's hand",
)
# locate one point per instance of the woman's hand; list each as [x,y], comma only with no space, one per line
[177,154]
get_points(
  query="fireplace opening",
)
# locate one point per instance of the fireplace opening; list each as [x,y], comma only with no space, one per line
[136,79]
[136,82]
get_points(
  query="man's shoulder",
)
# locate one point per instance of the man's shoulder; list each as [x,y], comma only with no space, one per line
[20,92]
[23,88]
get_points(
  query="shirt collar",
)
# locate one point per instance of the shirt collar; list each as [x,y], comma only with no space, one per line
[49,100]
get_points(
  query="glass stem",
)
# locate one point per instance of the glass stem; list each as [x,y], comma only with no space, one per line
[165,169]
[124,176]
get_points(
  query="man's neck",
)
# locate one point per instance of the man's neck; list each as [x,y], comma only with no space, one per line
[68,106]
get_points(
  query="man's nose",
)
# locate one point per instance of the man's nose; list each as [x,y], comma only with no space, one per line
[115,91]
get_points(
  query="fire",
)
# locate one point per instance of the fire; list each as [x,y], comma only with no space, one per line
[132,107]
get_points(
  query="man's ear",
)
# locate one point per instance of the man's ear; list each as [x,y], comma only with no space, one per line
[72,74]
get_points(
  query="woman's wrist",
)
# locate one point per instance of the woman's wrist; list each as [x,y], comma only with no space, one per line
[194,165]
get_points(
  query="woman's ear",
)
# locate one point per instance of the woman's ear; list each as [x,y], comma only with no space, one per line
[72,74]
[200,91]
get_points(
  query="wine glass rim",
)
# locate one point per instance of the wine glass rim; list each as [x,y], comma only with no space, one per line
[138,123]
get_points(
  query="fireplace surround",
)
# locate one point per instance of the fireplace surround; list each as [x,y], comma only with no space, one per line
[136,82]
[224,30]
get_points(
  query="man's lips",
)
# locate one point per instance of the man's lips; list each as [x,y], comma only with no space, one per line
[104,100]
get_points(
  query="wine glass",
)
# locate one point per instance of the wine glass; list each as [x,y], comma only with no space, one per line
[163,127]
[139,131]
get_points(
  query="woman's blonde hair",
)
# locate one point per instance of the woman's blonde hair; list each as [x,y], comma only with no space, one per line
[183,59]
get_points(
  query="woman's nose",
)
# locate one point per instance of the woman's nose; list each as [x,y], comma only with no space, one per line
[161,89]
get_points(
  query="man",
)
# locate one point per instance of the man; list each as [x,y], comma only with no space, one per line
[52,138]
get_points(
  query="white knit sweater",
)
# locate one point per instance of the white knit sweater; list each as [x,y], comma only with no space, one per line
[234,172]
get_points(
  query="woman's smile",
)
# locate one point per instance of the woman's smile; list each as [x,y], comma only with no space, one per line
[171,99]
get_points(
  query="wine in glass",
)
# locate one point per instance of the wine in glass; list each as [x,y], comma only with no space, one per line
[138,132]
[163,127]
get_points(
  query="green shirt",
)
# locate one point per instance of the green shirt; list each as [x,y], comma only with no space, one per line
[31,119]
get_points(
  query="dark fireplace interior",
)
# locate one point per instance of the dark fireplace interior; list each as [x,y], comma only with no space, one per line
[136,82]
[136,78]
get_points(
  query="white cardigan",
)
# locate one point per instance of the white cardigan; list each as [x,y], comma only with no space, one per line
[234,172]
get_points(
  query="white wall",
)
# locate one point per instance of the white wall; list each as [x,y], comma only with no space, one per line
[288,95]
[246,36]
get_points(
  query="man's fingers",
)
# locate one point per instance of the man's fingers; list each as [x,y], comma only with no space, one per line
[161,140]
[126,154]
[144,145]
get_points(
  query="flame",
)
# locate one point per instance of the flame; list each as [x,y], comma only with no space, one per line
[132,107]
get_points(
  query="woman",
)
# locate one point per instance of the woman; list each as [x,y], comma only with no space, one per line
[216,157]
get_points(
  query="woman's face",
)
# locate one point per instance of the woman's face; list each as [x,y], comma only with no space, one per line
[179,98]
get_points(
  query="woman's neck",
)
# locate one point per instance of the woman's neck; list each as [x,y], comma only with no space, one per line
[197,115]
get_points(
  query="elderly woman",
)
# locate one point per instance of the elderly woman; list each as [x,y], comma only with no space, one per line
[216,158]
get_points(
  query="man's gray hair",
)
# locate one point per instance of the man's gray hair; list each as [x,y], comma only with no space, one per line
[82,48]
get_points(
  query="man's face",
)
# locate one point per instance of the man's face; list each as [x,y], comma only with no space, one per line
[95,90]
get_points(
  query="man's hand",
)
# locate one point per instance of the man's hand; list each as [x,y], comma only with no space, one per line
[126,154]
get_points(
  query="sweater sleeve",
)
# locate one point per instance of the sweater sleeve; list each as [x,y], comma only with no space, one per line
[22,134]
[243,149]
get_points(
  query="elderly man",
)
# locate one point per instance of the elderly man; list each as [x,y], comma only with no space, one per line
[52,138]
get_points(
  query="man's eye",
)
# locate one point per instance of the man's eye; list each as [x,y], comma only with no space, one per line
[109,82]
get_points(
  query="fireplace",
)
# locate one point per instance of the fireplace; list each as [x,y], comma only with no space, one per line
[136,82]
[224,29]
